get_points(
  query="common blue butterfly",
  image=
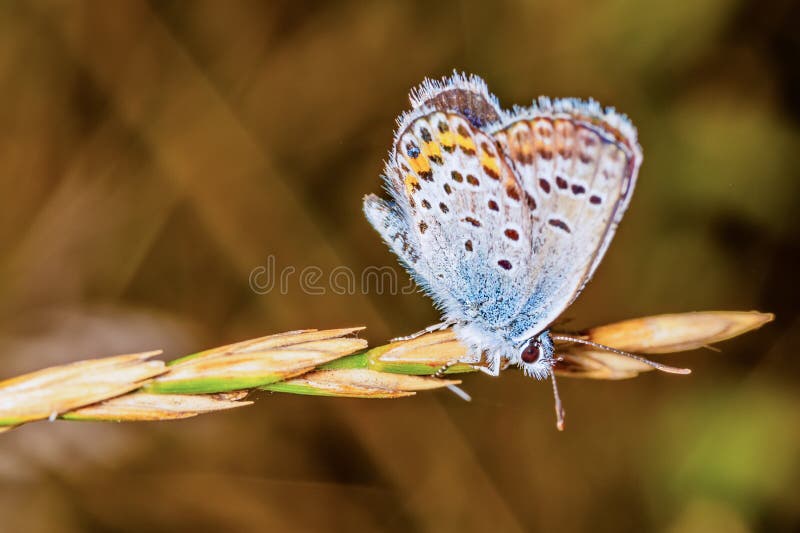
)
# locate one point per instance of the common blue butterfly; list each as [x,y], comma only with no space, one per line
[503,216]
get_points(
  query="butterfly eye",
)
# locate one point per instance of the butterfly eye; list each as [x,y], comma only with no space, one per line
[532,352]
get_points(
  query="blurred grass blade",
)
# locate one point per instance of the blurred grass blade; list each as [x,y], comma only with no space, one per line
[58,389]
[141,406]
[358,383]
[250,364]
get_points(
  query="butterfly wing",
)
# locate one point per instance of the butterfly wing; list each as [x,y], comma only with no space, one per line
[459,217]
[578,165]
[465,96]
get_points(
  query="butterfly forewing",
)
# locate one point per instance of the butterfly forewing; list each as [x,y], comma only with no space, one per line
[580,175]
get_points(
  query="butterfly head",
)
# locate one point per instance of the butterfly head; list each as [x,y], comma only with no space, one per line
[536,356]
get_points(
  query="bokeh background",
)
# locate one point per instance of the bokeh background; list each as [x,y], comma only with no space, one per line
[153,154]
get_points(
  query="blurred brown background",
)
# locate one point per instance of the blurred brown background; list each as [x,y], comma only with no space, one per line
[153,154]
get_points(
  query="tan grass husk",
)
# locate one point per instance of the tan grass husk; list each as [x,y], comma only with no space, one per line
[335,362]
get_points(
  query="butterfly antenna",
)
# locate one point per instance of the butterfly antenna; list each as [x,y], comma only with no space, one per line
[559,407]
[657,366]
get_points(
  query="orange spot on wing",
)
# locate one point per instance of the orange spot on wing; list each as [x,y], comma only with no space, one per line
[466,144]
[446,138]
[411,183]
[490,163]
[431,149]
[419,164]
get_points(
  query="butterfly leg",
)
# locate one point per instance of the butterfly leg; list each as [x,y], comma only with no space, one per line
[492,368]
[430,329]
[440,373]
[458,391]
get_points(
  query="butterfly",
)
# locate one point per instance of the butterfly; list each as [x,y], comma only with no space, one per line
[502,216]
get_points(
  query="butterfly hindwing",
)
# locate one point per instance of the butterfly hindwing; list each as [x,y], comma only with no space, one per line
[468,214]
